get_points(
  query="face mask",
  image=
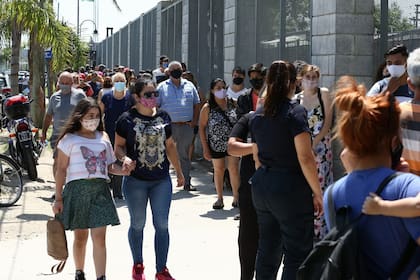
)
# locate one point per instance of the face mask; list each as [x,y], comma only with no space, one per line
[165,65]
[90,125]
[176,74]
[396,71]
[148,102]
[308,84]
[119,86]
[257,83]
[220,94]
[238,80]
[396,156]
[65,88]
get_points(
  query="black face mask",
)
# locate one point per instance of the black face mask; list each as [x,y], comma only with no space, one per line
[396,156]
[238,80]
[257,83]
[176,74]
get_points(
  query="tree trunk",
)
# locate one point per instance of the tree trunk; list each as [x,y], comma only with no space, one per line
[36,82]
[14,65]
[52,79]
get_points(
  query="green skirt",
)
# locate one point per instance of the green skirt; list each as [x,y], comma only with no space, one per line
[87,203]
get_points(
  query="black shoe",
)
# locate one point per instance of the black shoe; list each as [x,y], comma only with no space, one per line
[80,275]
[218,204]
[189,188]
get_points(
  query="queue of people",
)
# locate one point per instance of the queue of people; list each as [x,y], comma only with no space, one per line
[274,139]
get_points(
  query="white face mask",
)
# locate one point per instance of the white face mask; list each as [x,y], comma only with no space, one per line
[396,71]
[309,84]
[90,125]
[220,94]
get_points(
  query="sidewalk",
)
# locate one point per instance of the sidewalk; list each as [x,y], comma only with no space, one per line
[203,242]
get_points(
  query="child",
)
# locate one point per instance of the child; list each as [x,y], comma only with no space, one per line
[404,208]
[84,158]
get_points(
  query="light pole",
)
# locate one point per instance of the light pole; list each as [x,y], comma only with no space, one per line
[79,27]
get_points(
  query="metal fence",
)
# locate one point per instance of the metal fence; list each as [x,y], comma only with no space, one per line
[411,39]
[259,29]
[201,42]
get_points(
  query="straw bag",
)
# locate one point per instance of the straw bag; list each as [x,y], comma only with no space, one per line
[57,244]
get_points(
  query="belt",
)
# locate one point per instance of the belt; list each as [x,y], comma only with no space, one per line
[182,123]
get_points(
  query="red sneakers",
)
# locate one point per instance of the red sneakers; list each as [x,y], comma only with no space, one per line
[138,272]
[164,275]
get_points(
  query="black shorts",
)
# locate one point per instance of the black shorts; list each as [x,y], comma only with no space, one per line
[216,155]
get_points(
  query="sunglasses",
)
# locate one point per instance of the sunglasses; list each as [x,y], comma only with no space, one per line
[149,94]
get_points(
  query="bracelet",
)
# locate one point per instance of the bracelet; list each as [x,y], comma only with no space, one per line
[58,200]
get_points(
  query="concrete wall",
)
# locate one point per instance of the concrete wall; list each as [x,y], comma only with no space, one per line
[229,39]
[342,39]
[342,44]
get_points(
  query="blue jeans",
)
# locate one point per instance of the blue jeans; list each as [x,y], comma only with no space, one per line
[137,193]
[284,206]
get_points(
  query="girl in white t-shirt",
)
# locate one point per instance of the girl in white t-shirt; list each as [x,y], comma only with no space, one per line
[84,158]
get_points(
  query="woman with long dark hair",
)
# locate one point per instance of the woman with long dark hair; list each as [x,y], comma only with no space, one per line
[217,118]
[84,159]
[143,140]
[285,186]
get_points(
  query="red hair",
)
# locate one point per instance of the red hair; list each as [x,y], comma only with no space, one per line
[366,125]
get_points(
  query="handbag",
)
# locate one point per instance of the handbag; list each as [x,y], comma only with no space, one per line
[57,243]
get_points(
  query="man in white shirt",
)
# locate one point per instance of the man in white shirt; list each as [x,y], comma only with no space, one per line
[238,87]
[159,74]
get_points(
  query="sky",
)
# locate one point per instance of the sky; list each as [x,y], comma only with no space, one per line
[102,12]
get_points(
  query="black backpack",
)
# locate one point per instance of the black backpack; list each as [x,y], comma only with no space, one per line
[337,256]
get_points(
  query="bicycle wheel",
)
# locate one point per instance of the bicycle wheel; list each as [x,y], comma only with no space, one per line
[11,184]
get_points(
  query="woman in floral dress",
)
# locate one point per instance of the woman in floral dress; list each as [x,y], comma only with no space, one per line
[318,104]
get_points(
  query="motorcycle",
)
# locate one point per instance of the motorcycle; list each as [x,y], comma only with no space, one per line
[24,144]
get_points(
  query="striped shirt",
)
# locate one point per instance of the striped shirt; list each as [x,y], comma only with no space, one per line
[178,102]
[410,131]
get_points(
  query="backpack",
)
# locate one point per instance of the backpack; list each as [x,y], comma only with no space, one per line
[337,256]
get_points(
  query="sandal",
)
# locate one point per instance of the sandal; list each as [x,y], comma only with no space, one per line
[218,204]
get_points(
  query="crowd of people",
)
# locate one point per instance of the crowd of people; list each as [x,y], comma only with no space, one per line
[274,139]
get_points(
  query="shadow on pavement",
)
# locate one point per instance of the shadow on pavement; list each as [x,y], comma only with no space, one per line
[34,217]
[220,214]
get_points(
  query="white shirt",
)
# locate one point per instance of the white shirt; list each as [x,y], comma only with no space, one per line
[89,158]
[235,95]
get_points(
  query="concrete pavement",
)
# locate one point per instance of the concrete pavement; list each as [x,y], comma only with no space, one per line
[203,241]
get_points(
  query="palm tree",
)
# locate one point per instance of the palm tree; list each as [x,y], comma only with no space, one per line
[36,17]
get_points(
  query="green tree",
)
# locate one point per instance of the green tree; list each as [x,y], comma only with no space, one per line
[5,54]
[297,18]
[396,21]
[37,18]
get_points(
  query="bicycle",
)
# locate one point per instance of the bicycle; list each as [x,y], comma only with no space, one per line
[11,183]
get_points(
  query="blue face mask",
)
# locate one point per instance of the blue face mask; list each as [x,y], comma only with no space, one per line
[119,86]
